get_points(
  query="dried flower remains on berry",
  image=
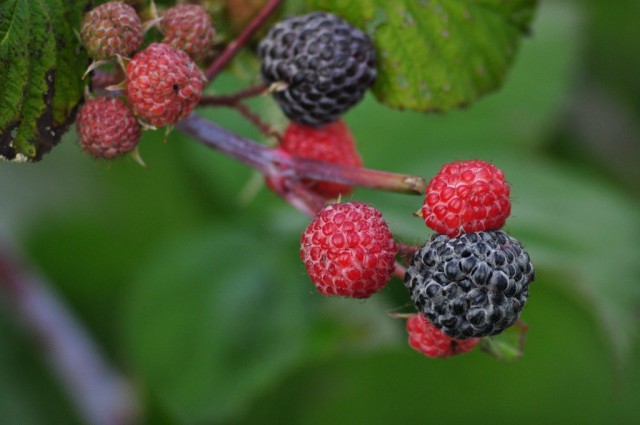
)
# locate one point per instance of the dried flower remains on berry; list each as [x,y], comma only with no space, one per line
[325,63]
[473,285]
[466,196]
[348,250]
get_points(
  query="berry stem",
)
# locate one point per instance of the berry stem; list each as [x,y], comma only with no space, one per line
[255,119]
[279,165]
[243,150]
[399,271]
[357,176]
[232,99]
[101,395]
[234,47]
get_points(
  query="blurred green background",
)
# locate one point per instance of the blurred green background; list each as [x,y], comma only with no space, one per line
[192,284]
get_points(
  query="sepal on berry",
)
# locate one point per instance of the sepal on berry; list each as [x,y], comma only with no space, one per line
[509,345]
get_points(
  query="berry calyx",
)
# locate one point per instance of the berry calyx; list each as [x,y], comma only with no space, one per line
[107,128]
[331,143]
[163,84]
[432,342]
[111,29]
[188,27]
[466,196]
[474,285]
[348,250]
[325,63]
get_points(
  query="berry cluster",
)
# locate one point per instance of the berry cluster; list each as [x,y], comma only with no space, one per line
[469,280]
[162,82]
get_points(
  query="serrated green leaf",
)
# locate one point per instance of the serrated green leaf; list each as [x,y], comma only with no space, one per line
[42,69]
[434,55]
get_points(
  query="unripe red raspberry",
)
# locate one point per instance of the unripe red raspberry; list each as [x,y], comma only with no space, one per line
[348,250]
[111,29]
[188,27]
[331,143]
[107,128]
[466,196]
[432,342]
[163,84]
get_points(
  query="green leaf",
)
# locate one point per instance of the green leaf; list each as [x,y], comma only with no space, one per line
[214,319]
[434,55]
[42,69]
[585,233]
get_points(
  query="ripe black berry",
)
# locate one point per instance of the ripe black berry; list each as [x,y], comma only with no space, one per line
[326,64]
[470,286]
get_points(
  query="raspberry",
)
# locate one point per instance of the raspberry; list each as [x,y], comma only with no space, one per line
[348,250]
[432,342]
[331,143]
[326,63]
[474,285]
[107,128]
[466,196]
[188,27]
[163,84]
[111,29]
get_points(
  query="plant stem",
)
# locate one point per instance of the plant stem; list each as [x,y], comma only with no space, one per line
[102,396]
[231,100]
[234,47]
[277,163]
[243,150]
[357,176]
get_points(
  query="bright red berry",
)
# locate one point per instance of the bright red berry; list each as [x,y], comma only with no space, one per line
[107,128]
[348,250]
[188,27]
[110,29]
[331,143]
[163,84]
[432,342]
[466,196]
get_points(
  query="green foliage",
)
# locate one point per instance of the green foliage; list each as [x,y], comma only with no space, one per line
[438,54]
[207,346]
[41,82]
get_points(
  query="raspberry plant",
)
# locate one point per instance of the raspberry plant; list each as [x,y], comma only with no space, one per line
[317,66]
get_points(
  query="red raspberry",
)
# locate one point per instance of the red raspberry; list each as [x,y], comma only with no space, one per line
[466,196]
[188,27]
[348,250]
[107,128]
[163,84]
[432,342]
[331,143]
[111,29]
